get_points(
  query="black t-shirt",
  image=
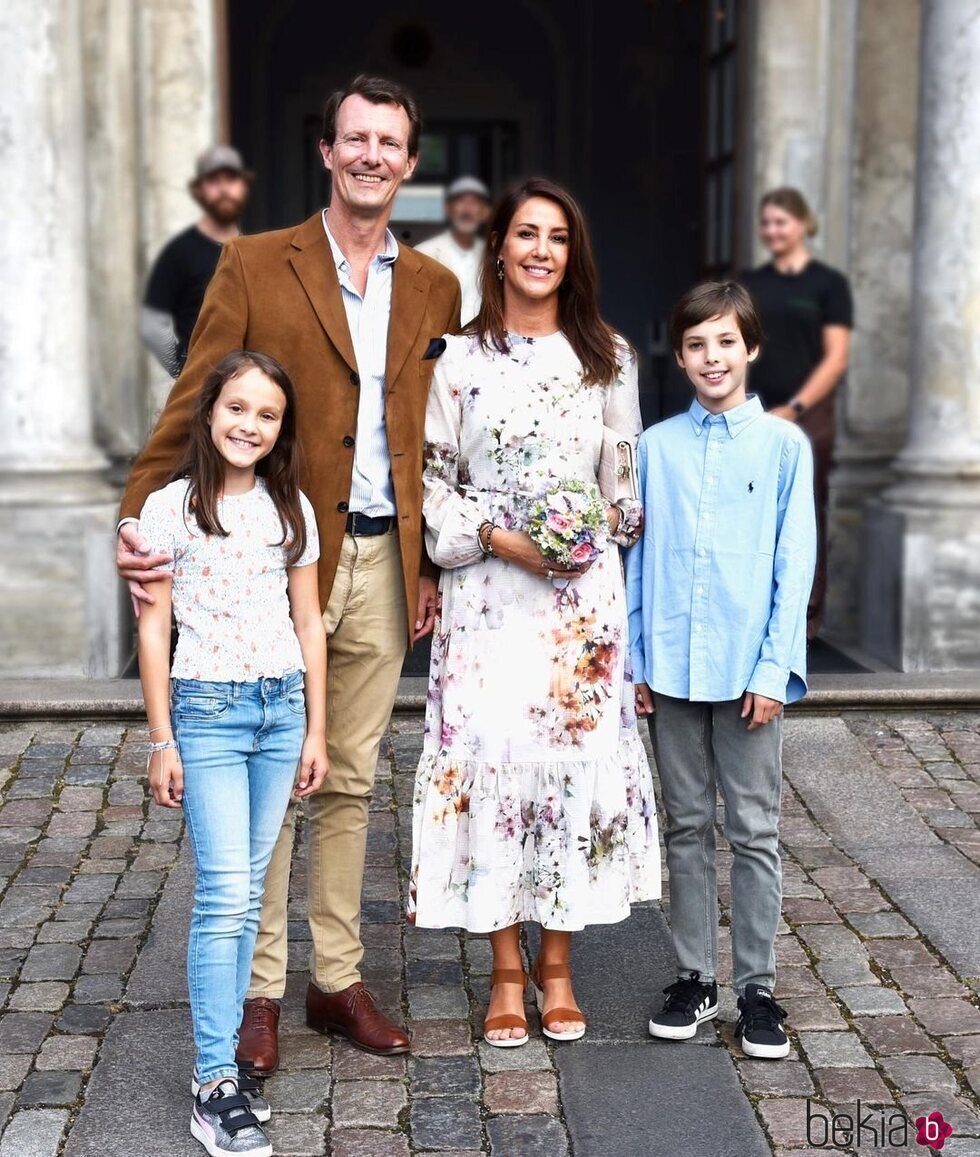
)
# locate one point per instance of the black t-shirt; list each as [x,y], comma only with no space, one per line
[179,278]
[794,308]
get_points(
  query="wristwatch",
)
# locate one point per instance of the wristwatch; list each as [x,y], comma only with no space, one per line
[797,407]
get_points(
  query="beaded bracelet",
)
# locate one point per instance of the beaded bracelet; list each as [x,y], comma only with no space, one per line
[163,745]
[487,551]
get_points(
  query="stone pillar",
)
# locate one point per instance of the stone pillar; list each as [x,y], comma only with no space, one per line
[872,404]
[179,116]
[922,596]
[60,598]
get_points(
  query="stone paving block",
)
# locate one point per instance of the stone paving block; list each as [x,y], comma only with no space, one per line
[102,867]
[51,962]
[826,1050]
[293,1135]
[894,1035]
[13,1069]
[965,1050]
[521,1092]
[16,937]
[33,1133]
[22,1032]
[946,1017]
[919,1074]
[787,1079]
[42,996]
[118,929]
[109,956]
[845,1086]
[446,1123]
[844,972]
[806,911]
[868,1000]
[785,1119]
[797,981]
[927,982]
[445,1076]
[360,1103]
[84,1018]
[90,890]
[49,1089]
[882,924]
[527,1136]
[367,1143]
[101,989]
[443,1038]
[437,1002]
[67,1053]
[812,1012]
[427,971]
[299,1092]
[529,1057]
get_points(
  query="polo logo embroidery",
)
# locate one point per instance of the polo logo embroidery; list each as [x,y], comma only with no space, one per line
[751,487]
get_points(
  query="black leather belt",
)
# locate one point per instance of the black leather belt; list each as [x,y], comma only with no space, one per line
[361,525]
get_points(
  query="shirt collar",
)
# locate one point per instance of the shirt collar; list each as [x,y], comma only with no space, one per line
[389,256]
[736,419]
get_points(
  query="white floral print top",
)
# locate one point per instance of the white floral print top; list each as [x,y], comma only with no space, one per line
[229,594]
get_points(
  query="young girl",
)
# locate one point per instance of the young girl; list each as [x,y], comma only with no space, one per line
[227,722]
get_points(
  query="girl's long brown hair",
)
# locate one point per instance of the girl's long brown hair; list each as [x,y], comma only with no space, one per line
[280,468]
[594,342]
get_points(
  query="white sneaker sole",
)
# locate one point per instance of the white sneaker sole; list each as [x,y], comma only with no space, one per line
[681,1032]
[261,1115]
[204,1135]
[764,1052]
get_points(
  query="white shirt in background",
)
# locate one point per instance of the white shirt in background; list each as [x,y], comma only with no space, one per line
[465,263]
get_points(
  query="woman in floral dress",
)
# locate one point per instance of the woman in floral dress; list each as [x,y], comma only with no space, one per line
[533,798]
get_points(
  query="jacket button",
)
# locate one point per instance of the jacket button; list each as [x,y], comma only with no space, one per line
[348,441]
[342,507]
[355,379]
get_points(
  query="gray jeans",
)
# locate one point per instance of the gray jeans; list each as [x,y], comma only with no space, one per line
[702,748]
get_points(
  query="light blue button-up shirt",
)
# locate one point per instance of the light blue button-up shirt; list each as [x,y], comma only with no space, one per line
[717,587]
[371,489]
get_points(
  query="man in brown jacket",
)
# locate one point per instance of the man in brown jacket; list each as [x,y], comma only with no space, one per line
[355,318]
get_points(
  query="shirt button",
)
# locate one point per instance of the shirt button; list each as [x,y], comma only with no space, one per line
[342,507]
[348,441]
[355,379]
[700,590]
[702,552]
[699,627]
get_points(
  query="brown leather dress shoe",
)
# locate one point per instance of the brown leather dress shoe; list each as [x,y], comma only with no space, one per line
[353,1014]
[258,1038]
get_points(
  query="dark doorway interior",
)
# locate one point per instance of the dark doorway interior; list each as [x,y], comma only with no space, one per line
[605,97]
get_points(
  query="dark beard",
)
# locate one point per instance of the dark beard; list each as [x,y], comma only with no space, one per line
[225,210]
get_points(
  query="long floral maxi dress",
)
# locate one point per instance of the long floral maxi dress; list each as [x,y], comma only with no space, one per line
[533,797]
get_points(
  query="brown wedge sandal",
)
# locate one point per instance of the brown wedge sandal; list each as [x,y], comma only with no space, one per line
[540,973]
[507,1019]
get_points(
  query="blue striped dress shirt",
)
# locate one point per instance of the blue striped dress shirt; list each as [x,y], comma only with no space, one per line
[717,587]
[371,489]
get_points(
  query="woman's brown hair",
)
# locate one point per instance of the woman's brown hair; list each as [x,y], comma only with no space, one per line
[280,468]
[594,342]
[791,201]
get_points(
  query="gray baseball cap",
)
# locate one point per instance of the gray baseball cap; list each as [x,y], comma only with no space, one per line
[468,185]
[219,159]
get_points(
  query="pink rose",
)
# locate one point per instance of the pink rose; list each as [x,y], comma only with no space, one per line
[582,552]
[558,522]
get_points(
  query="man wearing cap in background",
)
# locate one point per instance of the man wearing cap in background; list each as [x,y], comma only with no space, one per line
[182,272]
[460,248]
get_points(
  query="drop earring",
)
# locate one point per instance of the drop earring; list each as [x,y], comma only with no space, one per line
[500,269]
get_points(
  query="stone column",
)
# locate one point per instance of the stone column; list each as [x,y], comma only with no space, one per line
[179,116]
[872,404]
[922,596]
[60,597]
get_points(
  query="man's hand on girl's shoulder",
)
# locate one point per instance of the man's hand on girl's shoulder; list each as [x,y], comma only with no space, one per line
[759,710]
[314,766]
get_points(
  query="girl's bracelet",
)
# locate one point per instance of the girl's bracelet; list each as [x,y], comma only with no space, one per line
[163,745]
[162,727]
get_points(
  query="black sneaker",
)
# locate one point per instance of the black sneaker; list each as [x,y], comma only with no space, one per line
[688,1003]
[224,1124]
[247,1084]
[760,1024]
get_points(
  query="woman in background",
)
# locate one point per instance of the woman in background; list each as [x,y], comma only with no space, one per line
[807,316]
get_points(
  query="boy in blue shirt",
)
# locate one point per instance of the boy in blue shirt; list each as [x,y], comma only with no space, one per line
[717,591]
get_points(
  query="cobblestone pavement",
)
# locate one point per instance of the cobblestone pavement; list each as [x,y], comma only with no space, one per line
[879,969]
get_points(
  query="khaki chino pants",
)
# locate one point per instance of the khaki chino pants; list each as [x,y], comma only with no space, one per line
[365,622]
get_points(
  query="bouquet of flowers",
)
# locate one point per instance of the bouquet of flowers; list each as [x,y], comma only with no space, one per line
[568,524]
